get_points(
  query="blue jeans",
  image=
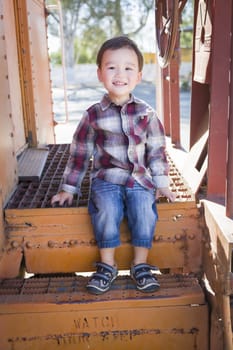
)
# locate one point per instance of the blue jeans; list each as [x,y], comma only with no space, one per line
[108,205]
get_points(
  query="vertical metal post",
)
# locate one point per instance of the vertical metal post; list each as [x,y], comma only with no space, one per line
[63,61]
[229,182]
[166,100]
[174,96]
[219,106]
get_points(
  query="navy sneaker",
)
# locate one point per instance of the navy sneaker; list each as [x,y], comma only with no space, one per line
[101,281]
[145,281]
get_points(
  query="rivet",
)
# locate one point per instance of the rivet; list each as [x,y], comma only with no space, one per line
[51,244]
[29,245]
[73,242]
[93,241]
[14,244]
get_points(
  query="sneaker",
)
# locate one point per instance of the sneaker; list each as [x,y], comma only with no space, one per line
[101,281]
[145,280]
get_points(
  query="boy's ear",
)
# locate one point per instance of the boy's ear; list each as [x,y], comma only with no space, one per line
[99,75]
[139,77]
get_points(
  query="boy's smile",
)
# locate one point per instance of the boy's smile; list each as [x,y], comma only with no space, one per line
[119,73]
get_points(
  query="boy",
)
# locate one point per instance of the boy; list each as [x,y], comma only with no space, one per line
[126,140]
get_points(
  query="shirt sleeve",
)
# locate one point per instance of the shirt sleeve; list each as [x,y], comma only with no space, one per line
[156,155]
[81,150]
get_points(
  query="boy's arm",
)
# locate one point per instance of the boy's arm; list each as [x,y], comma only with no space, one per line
[167,193]
[157,160]
[61,198]
[156,155]
[81,150]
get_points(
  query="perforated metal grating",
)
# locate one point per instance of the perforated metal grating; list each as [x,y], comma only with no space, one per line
[73,288]
[33,194]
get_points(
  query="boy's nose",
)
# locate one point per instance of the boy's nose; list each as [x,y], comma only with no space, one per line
[119,72]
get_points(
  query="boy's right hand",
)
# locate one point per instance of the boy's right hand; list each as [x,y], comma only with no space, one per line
[61,198]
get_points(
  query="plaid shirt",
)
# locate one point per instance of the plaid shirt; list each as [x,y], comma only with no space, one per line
[127,144]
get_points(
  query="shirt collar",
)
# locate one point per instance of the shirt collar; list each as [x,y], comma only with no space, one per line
[106,102]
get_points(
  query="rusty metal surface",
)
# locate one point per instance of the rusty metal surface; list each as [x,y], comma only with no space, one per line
[33,59]
[38,195]
[73,289]
[33,194]
[219,97]
[51,239]
[57,313]
[217,264]
[10,110]
[31,164]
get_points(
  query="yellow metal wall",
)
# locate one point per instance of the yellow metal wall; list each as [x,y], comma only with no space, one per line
[40,71]
[11,125]
[34,62]
[26,117]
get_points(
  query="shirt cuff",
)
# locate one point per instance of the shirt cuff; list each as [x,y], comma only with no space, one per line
[70,189]
[161,181]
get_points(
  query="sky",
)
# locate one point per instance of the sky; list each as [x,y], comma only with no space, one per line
[146,38]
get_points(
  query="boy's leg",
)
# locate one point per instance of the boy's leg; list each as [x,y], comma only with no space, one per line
[107,256]
[140,255]
[106,210]
[142,218]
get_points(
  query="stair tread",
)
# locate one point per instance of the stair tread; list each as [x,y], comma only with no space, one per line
[31,164]
[183,289]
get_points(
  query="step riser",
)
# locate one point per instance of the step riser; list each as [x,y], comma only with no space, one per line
[57,313]
[61,239]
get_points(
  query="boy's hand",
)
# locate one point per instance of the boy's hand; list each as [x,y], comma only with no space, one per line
[61,198]
[165,191]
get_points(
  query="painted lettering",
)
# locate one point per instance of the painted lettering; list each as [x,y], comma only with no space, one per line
[96,322]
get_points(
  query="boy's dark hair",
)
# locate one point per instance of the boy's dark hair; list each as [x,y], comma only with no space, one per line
[117,43]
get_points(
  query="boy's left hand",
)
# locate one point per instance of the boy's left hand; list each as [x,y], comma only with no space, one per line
[165,191]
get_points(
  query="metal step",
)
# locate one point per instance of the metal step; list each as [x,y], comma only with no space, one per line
[73,289]
[31,164]
[57,313]
[34,194]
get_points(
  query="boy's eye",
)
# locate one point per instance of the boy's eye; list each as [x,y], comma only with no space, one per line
[111,67]
[128,68]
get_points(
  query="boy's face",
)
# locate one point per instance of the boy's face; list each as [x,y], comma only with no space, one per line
[119,73]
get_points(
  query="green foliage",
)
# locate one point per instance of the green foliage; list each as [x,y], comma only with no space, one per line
[87,23]
[83,49]
[186,35]
[55,58]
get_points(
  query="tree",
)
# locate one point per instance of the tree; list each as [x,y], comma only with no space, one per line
[70,12]
[186,28]
[126,16]
[87,17]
